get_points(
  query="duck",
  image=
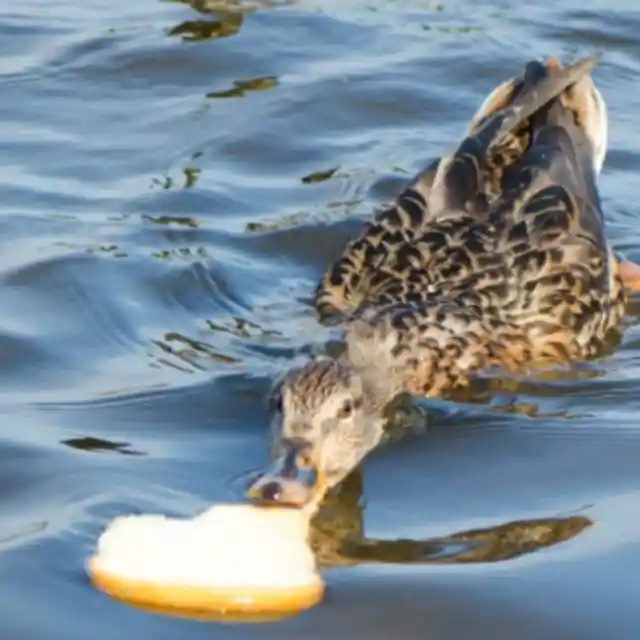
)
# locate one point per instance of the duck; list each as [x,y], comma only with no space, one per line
[493,257]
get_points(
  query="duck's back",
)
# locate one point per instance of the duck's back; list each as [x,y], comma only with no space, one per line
[509,225]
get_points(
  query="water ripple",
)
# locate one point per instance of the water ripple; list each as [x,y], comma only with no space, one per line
[176,177]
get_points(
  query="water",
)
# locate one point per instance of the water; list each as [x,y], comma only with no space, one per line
[173,184]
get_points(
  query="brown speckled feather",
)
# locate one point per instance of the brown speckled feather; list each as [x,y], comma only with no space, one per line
[495,255]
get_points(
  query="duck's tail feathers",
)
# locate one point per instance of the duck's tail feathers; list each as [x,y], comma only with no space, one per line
[541,85]
[584,98]
[460,182]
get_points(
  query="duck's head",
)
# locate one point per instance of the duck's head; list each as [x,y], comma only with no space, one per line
[326,419]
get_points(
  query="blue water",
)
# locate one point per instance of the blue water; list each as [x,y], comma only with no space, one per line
[168,203]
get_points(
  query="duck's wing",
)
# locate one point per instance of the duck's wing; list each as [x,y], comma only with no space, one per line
[443,204]
[552,231]
[366,260]
[539,284]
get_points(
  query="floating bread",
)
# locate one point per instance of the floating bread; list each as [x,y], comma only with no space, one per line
[231,561]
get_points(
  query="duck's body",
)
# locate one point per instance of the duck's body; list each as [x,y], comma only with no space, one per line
[504,264]
[493,256]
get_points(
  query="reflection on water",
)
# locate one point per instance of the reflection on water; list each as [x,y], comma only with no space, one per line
[196,30]
[241,87]
[186,349]
[176,176]
[338,537]
[244,6]
[229,16]
[98,444]
[319,176]
[494,544]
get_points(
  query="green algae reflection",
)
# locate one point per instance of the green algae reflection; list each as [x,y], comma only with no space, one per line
[242,87]
[198,30]
[235,6]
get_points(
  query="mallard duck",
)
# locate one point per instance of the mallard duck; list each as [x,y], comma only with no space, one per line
[494,256]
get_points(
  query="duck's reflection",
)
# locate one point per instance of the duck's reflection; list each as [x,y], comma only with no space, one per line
[338,537]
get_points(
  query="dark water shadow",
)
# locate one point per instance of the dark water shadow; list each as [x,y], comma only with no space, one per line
[98,445]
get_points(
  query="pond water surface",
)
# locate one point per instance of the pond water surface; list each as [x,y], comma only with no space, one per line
[174,178]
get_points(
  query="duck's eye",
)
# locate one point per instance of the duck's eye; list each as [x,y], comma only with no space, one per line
[346,410]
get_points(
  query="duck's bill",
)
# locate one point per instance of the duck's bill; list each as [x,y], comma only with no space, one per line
[287,482]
